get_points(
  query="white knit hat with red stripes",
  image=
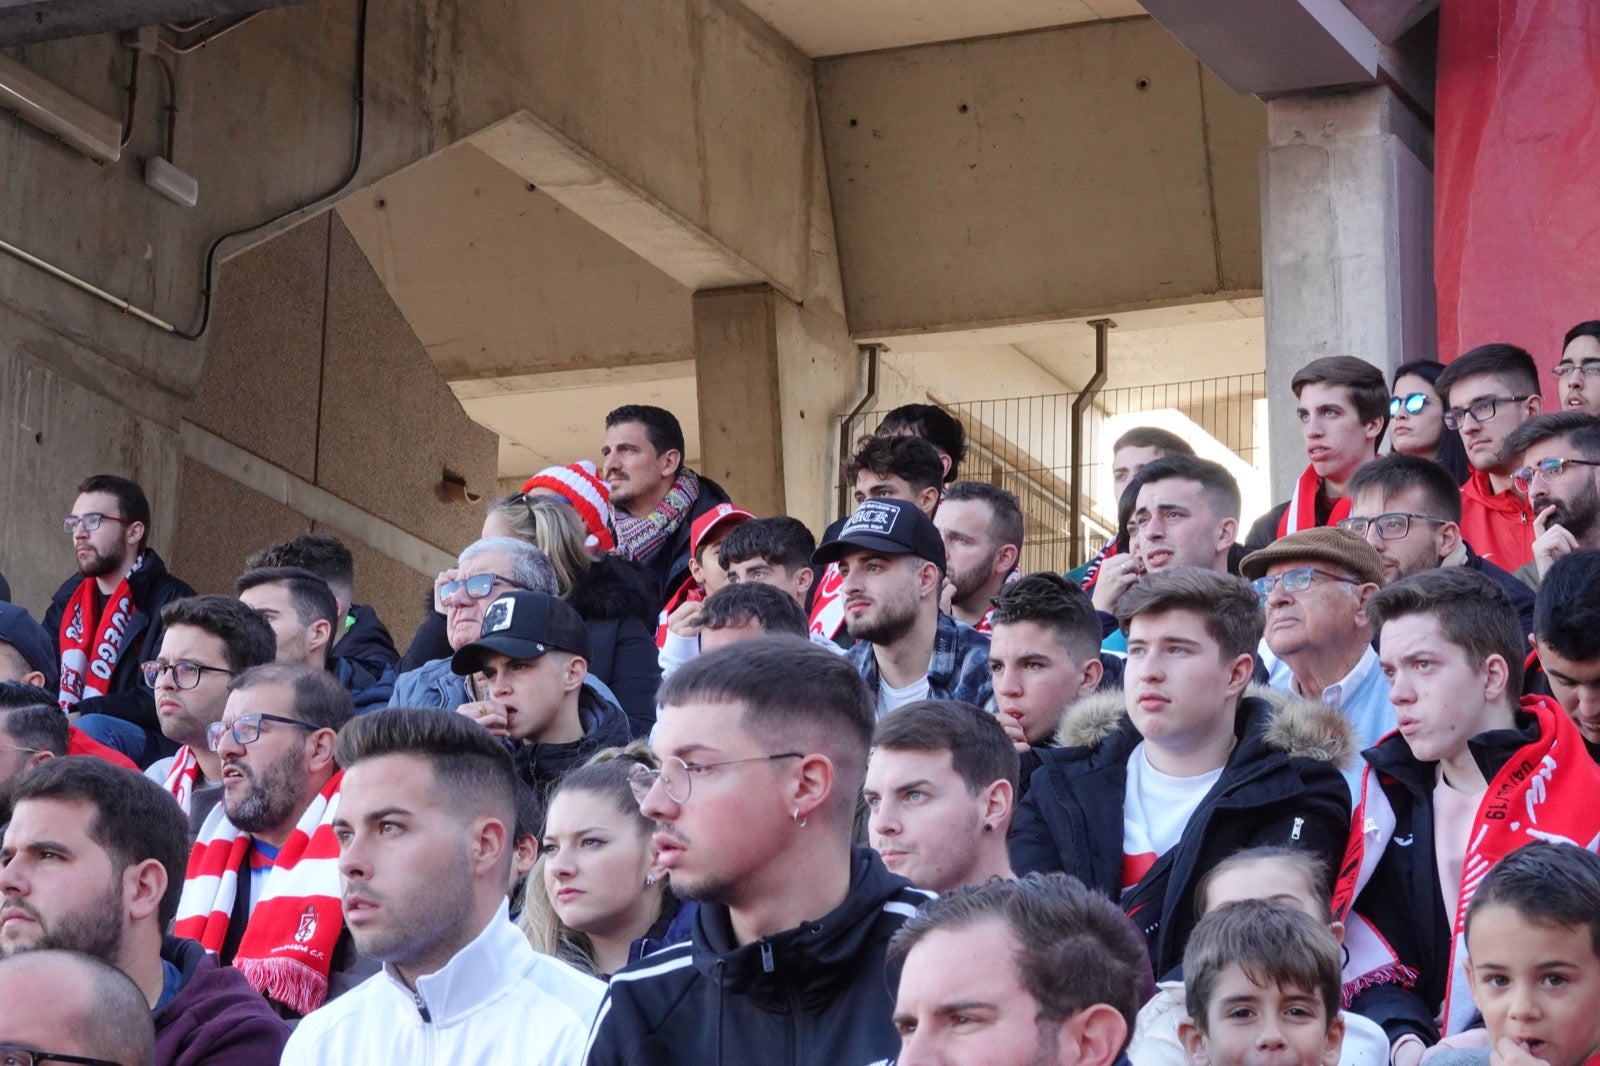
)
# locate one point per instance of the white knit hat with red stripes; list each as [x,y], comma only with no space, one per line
[579,485]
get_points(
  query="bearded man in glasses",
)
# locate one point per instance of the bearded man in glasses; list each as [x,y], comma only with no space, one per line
[1559,473]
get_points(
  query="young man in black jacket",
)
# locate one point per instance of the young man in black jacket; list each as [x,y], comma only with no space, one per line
[1151,790]
[763,750]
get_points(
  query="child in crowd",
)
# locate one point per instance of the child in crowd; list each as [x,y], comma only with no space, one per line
[1263,986]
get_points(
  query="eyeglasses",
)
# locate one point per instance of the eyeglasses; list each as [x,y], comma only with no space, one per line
[185,674]
[677,776]
[1297,580]
[1392,526]
[1549,469]
[22,1056]
[1411,405]
[90,521]
[477,586]
[1480,410]
[246,729]
[1589,368]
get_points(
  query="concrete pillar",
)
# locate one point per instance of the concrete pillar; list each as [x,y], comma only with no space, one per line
[1347,244]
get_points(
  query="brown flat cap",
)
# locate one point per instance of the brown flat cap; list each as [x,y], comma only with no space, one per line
[1324,544]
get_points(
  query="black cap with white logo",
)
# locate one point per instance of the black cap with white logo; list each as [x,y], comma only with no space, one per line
[524,625]
[894,527]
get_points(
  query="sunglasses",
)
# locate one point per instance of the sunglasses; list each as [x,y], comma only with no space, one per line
[1411,405]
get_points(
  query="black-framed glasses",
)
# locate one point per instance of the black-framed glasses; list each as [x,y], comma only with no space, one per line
[1392,526]
[477,586]
[1481,410]
[1589,368]
[1297,580]
[1411,405]
[185,674]
[11,1055]
[246,730]
[1549,469]
[90,522]
[677,776]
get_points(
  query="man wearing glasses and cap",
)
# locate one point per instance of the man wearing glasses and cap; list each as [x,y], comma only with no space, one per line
[1560,475]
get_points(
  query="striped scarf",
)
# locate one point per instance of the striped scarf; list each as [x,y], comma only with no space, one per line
[640,539]
[287,950]
[182,777]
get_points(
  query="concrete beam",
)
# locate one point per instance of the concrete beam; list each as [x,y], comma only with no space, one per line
[1272,47]
[26,21]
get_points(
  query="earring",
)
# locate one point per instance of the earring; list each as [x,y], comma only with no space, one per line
[799,821]
[649,879]
[987,828]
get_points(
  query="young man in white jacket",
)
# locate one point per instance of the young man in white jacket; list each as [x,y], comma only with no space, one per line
[424,827]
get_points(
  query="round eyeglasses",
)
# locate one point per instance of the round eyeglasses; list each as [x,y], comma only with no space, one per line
[1549,469]
[1411,405]
[90,522]
[1297,580]
[185,674]
[677,777]
[246,730]
[1392,526]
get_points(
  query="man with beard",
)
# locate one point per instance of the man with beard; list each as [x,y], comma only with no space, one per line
[892,562]
[92,862]
[982,529]
[262,889]
[106,619]
[1560,475]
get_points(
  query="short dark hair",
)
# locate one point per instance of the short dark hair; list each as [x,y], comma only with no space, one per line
[1590,328]
[1272,943]
[14,695]
[660,426]
[1306,863]
[1395,473]
[321,553]
[1547,884]
[780,540]
[40,726]
[1473,611]
[1059,605]
[1167,442]
[246,638]
[742,602]
[1073,947]
[1005,523]
[980,751]
[1368,391]
[1226,604]
[319,699]
[135,818]
[1582,433]
[933,424]
[131,499]
[793,693]
[1218,486]
[1510,364]
[1566,611]
[910,458]
[311,596]
[470,766]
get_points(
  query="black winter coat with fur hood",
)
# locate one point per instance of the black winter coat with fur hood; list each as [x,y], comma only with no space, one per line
[1281,786]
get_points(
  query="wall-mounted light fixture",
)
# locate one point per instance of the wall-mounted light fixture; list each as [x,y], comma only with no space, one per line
[59,113]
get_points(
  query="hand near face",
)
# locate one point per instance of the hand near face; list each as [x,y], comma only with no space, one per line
[1117,575]
[1551,541]
[444,576]
[1012,724]
[1507,1052]
[486,714]
[685,619]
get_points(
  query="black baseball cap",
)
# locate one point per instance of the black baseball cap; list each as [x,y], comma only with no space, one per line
[18,629]
[894,527]
[524,625]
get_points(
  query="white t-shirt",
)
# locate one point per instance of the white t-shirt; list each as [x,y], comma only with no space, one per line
[1155,809]
[889,697]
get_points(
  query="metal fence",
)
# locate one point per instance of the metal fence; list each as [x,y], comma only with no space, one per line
[1024,445]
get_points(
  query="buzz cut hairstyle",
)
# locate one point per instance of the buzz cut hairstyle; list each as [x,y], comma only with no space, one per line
[1581,432]
[1073,948]
[660,426]
[1227,605]
[742,602]
[247,639]
[324,554]
[1473,612]
[1219,488]
[980,751]
[793,695]
[912,459]
[311,596]
[1050,600]
[1005,513]
[118,1025]
[1395,473]
[1368,391]
[131,500]
[1164,441]
[1550,885]
[472,770]
[1310,867]
[933,424]
[781,540]
[1566,611]
[1513,366]
[1274,944]
[318,697]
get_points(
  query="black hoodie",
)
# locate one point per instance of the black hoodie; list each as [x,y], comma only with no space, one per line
[604,726]
[816,994]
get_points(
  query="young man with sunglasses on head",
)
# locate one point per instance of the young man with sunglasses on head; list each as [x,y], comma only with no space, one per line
[1560,476]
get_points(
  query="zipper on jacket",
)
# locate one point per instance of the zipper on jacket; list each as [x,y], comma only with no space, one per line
[766,957]
[1294,834]
[422,1008]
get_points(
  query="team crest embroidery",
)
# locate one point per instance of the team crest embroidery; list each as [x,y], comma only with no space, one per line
[308,926]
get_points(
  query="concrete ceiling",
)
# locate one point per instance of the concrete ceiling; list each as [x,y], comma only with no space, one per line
[841,27]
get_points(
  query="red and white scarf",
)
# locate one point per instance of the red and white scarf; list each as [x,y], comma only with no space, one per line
[92,636]
[1302,510]
[287,950]
[1543,792]
[183,775]
[827,606]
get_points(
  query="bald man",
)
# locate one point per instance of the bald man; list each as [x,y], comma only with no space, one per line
[61,1003]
